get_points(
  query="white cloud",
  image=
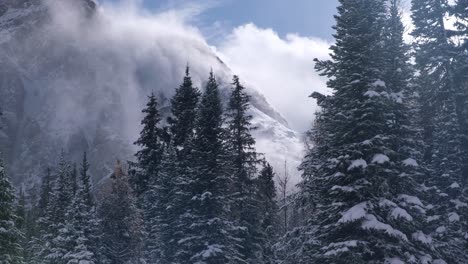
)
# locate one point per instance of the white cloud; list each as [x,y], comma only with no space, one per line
[280,68]
[134,50]
[126,52]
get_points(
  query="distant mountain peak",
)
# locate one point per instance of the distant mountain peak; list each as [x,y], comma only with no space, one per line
[82,88]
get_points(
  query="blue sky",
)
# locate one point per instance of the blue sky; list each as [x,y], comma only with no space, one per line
[305,17]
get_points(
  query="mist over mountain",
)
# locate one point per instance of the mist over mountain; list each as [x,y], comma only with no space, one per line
[74,77]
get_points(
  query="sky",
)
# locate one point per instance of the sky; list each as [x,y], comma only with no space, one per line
[271,44]
[305,17]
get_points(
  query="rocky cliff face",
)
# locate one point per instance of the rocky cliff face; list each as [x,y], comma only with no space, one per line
[74,79]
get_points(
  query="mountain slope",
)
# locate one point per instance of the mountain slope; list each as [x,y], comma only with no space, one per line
[74,76]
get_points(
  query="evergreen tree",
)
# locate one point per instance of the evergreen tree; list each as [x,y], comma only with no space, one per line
[30,227]
[10,235]
[208,238]
[63,190]
[268,209]
[147,178]
[430,42]
[46,191]
[460,12]
[21,210]
[161,243]
[74,179]
[22,223]
[181,128]
[183,110]
[121,222]
[443,94]
[84,223]
[58,238]
[151,143]
[38,245]
[86,184]
[364,206]
[241,149]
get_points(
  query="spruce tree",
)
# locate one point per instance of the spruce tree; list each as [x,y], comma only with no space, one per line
[84,224]
[444,97]
[21,210]
[151,144]
[181,129]
[146,177]
[183,111]
[363,203]
[23,223]
[63,190]
[38,245]
[244,161]
[121,222]
[430,42]
[10,236]
[461,14]
[268,209]
[161,241]
[30,226]
[58,237]
[53,239]
[46,191]
[86,184]
[74,179]
[208,238]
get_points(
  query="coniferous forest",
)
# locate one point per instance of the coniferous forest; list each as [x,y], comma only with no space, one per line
[384,179]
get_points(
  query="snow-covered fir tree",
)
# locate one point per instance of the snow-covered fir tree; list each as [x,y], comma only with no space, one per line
[86,185]
[151,144]
[183,111]
[84,225]
[11,251]
[21,210]
[22,222]
[74,179]
[181,129]
[362,199]
[268,210]
[56,240]
[209,230]
[241,150]
[161,243]
[443,94]
[121,222]
[43,217]
[146,178]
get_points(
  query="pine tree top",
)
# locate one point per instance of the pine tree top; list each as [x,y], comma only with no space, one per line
[183,110]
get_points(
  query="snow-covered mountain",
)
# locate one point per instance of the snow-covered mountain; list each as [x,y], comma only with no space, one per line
[74,77]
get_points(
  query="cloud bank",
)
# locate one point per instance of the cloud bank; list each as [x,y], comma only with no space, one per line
[280,68]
